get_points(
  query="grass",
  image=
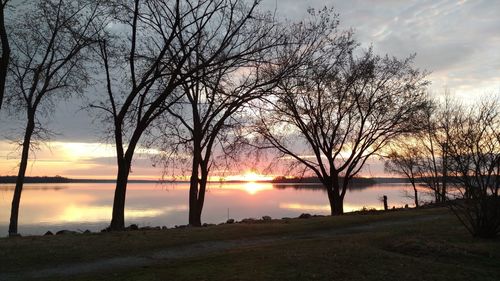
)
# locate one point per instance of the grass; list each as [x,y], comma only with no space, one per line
[376,246]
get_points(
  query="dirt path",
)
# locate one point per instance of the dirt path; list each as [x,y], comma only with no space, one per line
[194,250]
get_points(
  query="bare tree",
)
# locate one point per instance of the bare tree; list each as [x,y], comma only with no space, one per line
[5,48]
[341,110]
[404,158]
[433,142]
[474,163]
[173,47]
[48,63]
[429,168]
[209,120]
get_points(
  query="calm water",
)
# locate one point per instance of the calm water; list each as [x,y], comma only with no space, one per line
[79,206]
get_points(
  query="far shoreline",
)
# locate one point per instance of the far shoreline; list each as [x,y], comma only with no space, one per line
[281,180]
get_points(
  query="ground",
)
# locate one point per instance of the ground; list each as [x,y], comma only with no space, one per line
[427,244]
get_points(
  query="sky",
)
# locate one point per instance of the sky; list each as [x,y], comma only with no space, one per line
[456,41]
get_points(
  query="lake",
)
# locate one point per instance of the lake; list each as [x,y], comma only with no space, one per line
[81,206]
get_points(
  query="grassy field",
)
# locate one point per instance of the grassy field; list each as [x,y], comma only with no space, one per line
[403,245]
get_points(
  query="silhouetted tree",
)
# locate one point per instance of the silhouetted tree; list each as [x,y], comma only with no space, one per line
[433,144]
[48,63]
[474,162]
[209,121]
[173,47]
[404,158]
[5,48]
[339,110]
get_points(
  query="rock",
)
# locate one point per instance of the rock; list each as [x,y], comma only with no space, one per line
[60,232]
[304,216]
[48,233]
[266,218]
[230,221]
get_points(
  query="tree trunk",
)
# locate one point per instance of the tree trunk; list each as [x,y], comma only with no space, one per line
[202,191]
[444,177]
[16,199]
[197,192]
[416,197]
[194,218]
[338,205]
[415,191]
[443,189]
[497,179]
[336,201]
[194,182]
[4,60]
[437,193]
[118,217]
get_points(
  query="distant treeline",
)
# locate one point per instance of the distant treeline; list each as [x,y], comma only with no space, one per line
[56,179]
[59,179]
[315,180]
[357,181]
[305,180]
[391,180]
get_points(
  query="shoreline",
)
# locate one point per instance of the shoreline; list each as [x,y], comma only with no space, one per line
[308,181]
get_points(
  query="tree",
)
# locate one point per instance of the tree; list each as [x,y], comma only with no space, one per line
[423,156]
[5,47]
[48,63]
[474,163]
[404,158]
[209,120]
[339,110]
[173,46]
[433,143]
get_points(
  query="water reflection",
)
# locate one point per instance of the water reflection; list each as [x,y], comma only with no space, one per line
[253,187]
[83,213]
[305,207]
[88,206]
[323,209]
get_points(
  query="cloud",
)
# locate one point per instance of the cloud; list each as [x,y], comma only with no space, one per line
[456,40]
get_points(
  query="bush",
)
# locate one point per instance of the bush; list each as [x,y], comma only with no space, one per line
[481,216]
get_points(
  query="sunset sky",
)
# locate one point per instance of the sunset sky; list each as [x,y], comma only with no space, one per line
[456,41]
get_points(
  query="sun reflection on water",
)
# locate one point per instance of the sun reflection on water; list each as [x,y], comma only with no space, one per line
[325,208]
[79,213]
[253,188]
[304,207]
